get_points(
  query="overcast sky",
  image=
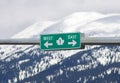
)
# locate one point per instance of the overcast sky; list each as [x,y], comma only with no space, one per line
[15,15]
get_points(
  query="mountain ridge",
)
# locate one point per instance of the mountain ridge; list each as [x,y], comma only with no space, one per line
[19,63]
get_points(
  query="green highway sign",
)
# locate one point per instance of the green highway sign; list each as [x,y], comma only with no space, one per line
[60,41]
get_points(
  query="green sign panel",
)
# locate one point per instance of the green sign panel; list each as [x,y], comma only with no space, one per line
[60,41]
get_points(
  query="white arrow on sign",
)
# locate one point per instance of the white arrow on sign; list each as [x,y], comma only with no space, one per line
[73,43]
[48,44]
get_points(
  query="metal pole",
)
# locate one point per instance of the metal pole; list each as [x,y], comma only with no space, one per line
[101,40]
[84,40]
[21,41]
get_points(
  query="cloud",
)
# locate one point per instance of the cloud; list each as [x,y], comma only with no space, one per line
[17,14]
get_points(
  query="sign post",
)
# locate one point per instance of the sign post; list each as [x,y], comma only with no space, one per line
[60,41]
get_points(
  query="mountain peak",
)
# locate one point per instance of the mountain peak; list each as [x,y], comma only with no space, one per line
[29,63]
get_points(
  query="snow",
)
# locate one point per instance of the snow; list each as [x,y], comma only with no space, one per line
[34,30]
[109,71]
[15,80]
[102,60]
[23,61]
[61,71]
[68,24]
[54,61]
[90,23]
[21,75]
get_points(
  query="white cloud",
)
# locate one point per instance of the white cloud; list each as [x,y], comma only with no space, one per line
[14,14]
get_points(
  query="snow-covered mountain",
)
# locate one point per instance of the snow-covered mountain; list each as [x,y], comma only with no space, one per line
[93,64]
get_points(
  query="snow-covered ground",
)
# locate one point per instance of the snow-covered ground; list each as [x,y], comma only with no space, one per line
[29,60]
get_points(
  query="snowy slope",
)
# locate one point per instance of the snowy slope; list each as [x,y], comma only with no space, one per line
[67,24]
[28,61]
